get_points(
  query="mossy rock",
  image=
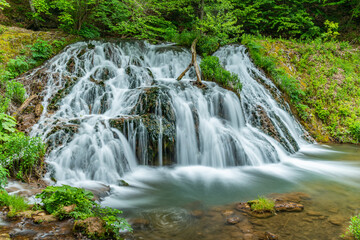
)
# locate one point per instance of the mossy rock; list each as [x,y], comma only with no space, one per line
[92,227]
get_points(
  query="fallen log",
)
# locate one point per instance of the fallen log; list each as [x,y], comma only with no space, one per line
[24,105]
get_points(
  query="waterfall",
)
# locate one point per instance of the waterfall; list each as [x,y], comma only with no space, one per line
[110,106]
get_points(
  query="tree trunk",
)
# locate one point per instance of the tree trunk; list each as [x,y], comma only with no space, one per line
[192,63]
[33,10]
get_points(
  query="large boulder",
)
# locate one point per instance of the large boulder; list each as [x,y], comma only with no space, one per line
[153,126]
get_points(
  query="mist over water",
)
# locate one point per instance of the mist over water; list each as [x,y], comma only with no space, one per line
[222,152]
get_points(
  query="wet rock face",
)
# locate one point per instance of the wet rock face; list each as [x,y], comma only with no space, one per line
[261,119]
[61,133]
[152,126]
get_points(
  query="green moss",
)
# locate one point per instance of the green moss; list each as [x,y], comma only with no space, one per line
[22,50]
[262,204]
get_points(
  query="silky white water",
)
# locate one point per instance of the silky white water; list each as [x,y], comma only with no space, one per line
[122,110]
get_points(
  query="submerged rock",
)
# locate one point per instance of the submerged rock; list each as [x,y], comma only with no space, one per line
[281,206]
[197,213]
[233,220]
[139,223]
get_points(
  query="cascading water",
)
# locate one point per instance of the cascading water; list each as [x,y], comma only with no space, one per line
[112,106]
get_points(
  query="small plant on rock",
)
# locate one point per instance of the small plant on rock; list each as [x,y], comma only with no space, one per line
[15,203]
[262,204]
[56,198]
[66,201]
[212,70]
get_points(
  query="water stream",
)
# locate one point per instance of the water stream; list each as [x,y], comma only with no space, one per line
[113,111]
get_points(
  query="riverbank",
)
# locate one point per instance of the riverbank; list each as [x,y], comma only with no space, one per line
[321,80]
[161,207]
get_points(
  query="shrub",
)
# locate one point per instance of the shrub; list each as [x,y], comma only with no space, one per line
[15,203]
[56,198]
[17,66]
[207,45]
[41,50]
[354,228]
[7,126]
[4,104]
[212,70]
[355,130]
[89,31]
[20,154]
[3,177]
[15,91]
[262,204]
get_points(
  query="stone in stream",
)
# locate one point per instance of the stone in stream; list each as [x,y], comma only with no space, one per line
[139,223]
[313,213]
[227,213]
[233,220]
[336,220]
[197,213]
[281,206]
[243,207]
[246,208]
[270,236]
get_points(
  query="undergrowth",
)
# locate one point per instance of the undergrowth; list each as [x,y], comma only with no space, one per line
[262,204]
[15,203]
[212,70]
[56,198]
[321,79]
[354,228]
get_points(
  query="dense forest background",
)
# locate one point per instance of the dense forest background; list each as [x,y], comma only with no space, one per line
[221,21]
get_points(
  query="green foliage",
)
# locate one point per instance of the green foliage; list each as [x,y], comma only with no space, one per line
[212,70]
[207,45]
[184,38]
[355,130]
[71,14]
[220,21]
[7,127]
[354,228]
[2,28]
[18,66]
[321,79]
[262,204]
[113,222]
[332,30]
[4,174]
[55,198]
[89,32]
[3,4]
[15,91]
[287,83]
[15,203]
[41,50]
[20,154]
[131,18]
